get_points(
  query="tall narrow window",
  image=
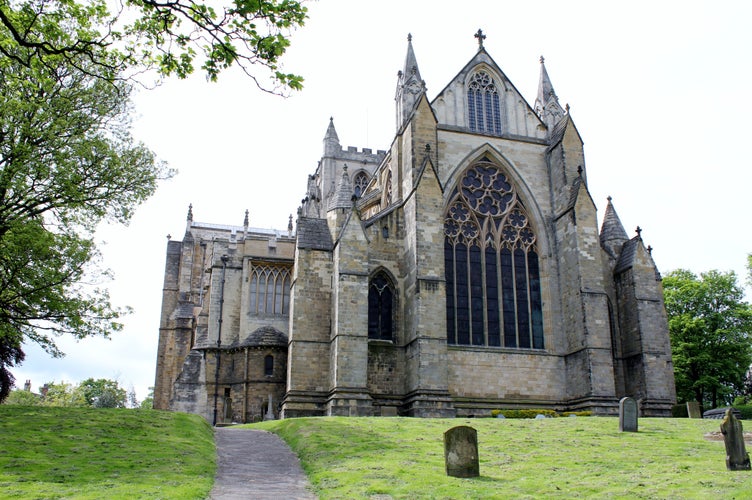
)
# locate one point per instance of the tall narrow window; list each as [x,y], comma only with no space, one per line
[380,307]
[359,184]
[269,290]
[269,365]
[491,263]
[483,107]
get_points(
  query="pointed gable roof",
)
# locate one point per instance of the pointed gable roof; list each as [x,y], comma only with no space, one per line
[343,193]
[612,228]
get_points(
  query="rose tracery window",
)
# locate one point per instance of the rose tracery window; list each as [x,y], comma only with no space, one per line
[484,111]
[269,290]
[491,264]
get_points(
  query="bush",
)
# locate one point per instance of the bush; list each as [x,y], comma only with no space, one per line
[745,410]
[524,413]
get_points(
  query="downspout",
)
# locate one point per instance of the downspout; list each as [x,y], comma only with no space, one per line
[224,259]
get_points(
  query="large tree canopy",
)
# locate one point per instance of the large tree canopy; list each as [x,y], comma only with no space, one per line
[170,36]
[711,335]
[67,163]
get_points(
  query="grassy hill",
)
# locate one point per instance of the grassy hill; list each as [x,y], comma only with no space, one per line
[100,453]
[87,453]
[401,458]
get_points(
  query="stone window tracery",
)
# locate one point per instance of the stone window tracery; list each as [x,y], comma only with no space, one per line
[269,290]
[491,264]
[380,307]
[484,109]
[359,183]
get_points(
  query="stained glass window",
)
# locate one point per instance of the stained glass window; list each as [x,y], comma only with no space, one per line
[269,290]
[483,107]
[380,307]
[359,184]
[491,263]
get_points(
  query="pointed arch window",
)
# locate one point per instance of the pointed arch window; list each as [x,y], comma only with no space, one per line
[491,264]
[269,290]
[381,307]
[484,108]
[359,184]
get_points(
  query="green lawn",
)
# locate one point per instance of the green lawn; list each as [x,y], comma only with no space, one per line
[403,458]
[99,453]
[87,453]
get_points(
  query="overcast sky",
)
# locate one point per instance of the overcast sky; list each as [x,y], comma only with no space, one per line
[659,92]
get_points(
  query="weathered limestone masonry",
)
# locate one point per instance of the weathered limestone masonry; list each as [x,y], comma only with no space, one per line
[459,271]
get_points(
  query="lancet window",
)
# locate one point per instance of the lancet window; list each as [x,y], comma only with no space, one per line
[491,263]
[269,290]
[484,109]
[381,307]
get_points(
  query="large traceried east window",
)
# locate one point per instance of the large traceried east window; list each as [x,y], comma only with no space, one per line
[381,307]
[269,290]
[491,263]
[484,109]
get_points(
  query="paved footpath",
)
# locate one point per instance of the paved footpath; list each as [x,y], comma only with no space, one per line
[257,465]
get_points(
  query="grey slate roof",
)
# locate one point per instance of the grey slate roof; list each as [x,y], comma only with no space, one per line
[313,234]
[265,336]
[612,228]
[628,252]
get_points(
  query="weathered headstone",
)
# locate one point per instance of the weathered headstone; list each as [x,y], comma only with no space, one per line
[228,411]
[461,452]
[693,409]
[627,415]
[269,412]
[737,457]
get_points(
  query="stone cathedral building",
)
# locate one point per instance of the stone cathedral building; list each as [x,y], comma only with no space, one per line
[458,271]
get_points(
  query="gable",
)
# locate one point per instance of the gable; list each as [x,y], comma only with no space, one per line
[454,109]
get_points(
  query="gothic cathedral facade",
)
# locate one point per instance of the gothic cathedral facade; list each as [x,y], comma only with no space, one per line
[459,271]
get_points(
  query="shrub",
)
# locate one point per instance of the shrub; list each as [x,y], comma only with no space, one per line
[745,410]
[523,413]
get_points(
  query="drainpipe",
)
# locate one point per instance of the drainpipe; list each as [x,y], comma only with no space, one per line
[224,259]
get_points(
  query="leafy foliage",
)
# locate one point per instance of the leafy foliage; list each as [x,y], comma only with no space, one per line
[710,327]
[166,35]
[103,393]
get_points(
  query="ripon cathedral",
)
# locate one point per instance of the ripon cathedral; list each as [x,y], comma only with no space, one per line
[460,270]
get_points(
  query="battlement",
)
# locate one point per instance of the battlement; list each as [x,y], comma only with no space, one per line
[352,153]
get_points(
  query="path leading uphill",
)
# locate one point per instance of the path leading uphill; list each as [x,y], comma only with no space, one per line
[257,465]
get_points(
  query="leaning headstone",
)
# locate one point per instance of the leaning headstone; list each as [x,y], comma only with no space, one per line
[737,457]
[693,409]
[461,452]
[627,415]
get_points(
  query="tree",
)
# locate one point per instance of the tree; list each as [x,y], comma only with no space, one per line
[166,35]
[711,335]
[103,393]
[148,402]
[62,394]
[23,398]
[67,163]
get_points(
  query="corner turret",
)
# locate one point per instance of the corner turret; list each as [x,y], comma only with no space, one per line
[547,103]
[410,86]
[331,140]
[613,236]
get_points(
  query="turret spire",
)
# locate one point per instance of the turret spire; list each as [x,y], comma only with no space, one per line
[613,235]
[331,140]
[410,86]
[547,103]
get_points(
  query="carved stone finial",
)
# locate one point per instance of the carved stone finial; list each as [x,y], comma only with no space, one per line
[480,36]
[169,237]
[428,148]
[609,198]
[344,169]
[190,212]
[639,232]
[409,37]
[289,224]
[542,59]
[567,108]
[245,220]
[650,250]
[579,170]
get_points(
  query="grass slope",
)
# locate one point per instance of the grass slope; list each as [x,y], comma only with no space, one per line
[402,458]
[88,453]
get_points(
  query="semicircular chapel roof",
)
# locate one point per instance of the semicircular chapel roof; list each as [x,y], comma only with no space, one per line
[265,336]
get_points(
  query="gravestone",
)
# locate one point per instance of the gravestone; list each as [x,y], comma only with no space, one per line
[461,452]
[737,457]
[693,409]
[269,412]
[627,415]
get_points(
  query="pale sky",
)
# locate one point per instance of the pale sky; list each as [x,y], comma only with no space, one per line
[659,91]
